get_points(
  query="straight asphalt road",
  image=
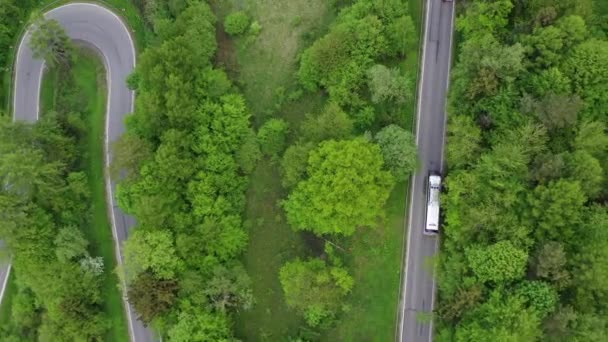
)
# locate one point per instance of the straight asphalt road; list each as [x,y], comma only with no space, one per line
[100,29]
[418,287]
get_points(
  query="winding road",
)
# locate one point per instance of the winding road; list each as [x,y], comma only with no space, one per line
[100,29]
[418,287]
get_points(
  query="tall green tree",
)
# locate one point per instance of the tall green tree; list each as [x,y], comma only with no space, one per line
[294,163]
[388,85]
[557,209]
[49,41]
[588,71]
[497,263]
[331,123]
[550,264]
[151,250]
[500,318]
[151,296]
[272,136]
[463,141]
[195,324]
[398,150]
[346,189]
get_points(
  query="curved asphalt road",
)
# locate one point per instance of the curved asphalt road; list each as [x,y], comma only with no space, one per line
[418,288]
[102,30]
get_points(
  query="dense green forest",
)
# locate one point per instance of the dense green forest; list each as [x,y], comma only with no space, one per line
[184,183]
[523,257]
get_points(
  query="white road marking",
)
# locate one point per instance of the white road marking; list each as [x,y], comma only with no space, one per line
[8,272]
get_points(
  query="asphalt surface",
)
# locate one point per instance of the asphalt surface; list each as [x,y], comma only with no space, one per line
[103,31]
[418,287]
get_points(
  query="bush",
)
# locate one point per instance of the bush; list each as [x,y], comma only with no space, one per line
[271,136]
[315,289]
[255,28]
[249,153]
[293,164]
[236,23]
[133,81]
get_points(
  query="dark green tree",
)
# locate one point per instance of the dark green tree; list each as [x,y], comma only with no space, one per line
[151,296]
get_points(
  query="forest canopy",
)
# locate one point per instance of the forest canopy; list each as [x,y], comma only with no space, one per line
[525,243]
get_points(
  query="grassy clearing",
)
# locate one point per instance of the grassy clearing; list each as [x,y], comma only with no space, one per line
[264,67]
[89,77]
[272,243]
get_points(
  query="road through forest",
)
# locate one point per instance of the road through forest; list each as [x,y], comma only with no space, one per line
[418,283]
[100,29]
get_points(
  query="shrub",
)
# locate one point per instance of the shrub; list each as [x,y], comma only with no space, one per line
[271,136]
[236,23]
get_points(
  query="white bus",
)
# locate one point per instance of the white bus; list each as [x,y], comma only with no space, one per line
[432,205]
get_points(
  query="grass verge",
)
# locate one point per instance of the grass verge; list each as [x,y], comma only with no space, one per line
[89,81]
[375,263]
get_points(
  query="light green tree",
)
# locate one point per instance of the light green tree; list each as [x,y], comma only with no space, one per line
[557,209]
[70,243]
[294,162]
[272,136]
[463,141]
[389,85]
[151,250]
[195,324]
[236,23]
[501,318]
[315,289]
[331,123]
[346,188]
[498,262]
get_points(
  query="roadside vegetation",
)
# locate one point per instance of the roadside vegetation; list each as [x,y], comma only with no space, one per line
[525,245]
[54,214]
[277,62]
[89,83]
